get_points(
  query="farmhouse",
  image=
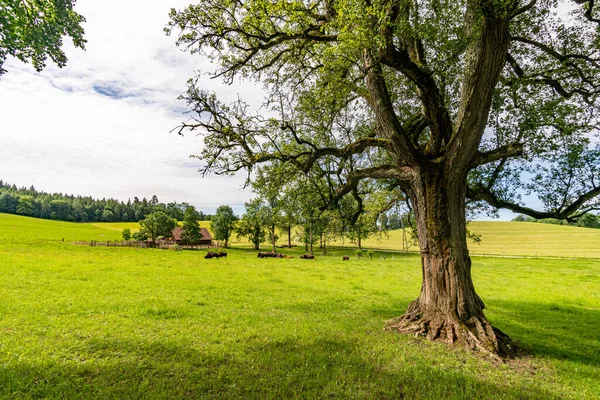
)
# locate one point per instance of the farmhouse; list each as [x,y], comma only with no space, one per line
[205,240]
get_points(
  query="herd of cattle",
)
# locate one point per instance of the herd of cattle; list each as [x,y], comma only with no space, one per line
[213,254]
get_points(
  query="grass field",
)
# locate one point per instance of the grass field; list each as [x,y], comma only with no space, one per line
[91,322]
[499,238]
[516,239]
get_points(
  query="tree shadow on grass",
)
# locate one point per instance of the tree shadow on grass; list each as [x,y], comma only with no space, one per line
[260,368]
[560,331]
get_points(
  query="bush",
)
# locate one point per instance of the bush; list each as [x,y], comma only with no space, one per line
[176,247]
[126,234]
[140,236]
[371,253]
[358,252]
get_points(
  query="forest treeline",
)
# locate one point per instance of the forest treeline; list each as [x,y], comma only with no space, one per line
[66,207]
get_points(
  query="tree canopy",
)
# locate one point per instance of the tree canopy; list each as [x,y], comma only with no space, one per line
[191,229]
[252,224]
[32,31]
[457,104]
[223,223]
[157,224]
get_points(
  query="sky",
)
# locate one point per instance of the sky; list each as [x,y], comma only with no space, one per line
[101,126]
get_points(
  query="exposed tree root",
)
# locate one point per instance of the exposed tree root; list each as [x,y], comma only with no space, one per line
[473,333]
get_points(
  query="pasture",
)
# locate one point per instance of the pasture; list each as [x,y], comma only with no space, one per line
[498,238]
[94,322]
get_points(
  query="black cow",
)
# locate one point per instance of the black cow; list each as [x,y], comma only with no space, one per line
[213,254]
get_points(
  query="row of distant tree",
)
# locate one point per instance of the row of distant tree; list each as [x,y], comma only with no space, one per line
[263,221]
[289,210]
[587,220]
[158,224]
[65,207]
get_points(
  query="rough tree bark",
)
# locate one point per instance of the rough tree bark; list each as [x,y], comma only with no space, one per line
[448,308]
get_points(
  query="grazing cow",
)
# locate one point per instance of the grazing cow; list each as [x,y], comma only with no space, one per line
[307,257]
[272,255]
[212,254]
[346,258]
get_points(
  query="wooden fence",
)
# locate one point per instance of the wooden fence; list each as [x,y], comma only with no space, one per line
[162,244]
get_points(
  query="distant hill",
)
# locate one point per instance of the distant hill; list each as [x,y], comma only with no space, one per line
[21,229]
[518,239]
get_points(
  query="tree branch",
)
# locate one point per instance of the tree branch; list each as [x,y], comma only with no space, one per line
[403,174]
[554,82]
[434,108]
[550,51]
[484,63]
[503,152]
[566,213]
[588,12]
[381,103]
[523,9]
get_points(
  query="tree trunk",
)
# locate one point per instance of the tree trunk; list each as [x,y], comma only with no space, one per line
[311,239]
[289,232]
[359,243]
[448,309]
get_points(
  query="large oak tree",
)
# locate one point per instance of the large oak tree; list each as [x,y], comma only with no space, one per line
[454,102]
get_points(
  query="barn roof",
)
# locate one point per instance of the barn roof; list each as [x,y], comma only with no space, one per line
[178,231]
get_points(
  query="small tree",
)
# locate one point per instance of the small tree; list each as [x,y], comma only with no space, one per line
[191,229]
[126,234]
[252,223]
[222,223]
[157,224]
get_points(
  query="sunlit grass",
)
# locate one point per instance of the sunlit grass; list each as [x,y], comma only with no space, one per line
[498,238]
[504,238]
[90,322]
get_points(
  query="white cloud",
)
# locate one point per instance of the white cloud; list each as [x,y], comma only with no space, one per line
[101,126]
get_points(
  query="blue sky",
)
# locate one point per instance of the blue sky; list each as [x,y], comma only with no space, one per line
[101,125]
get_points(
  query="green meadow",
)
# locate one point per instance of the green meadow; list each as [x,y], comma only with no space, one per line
[96,322]
[527,239]
[498,238]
